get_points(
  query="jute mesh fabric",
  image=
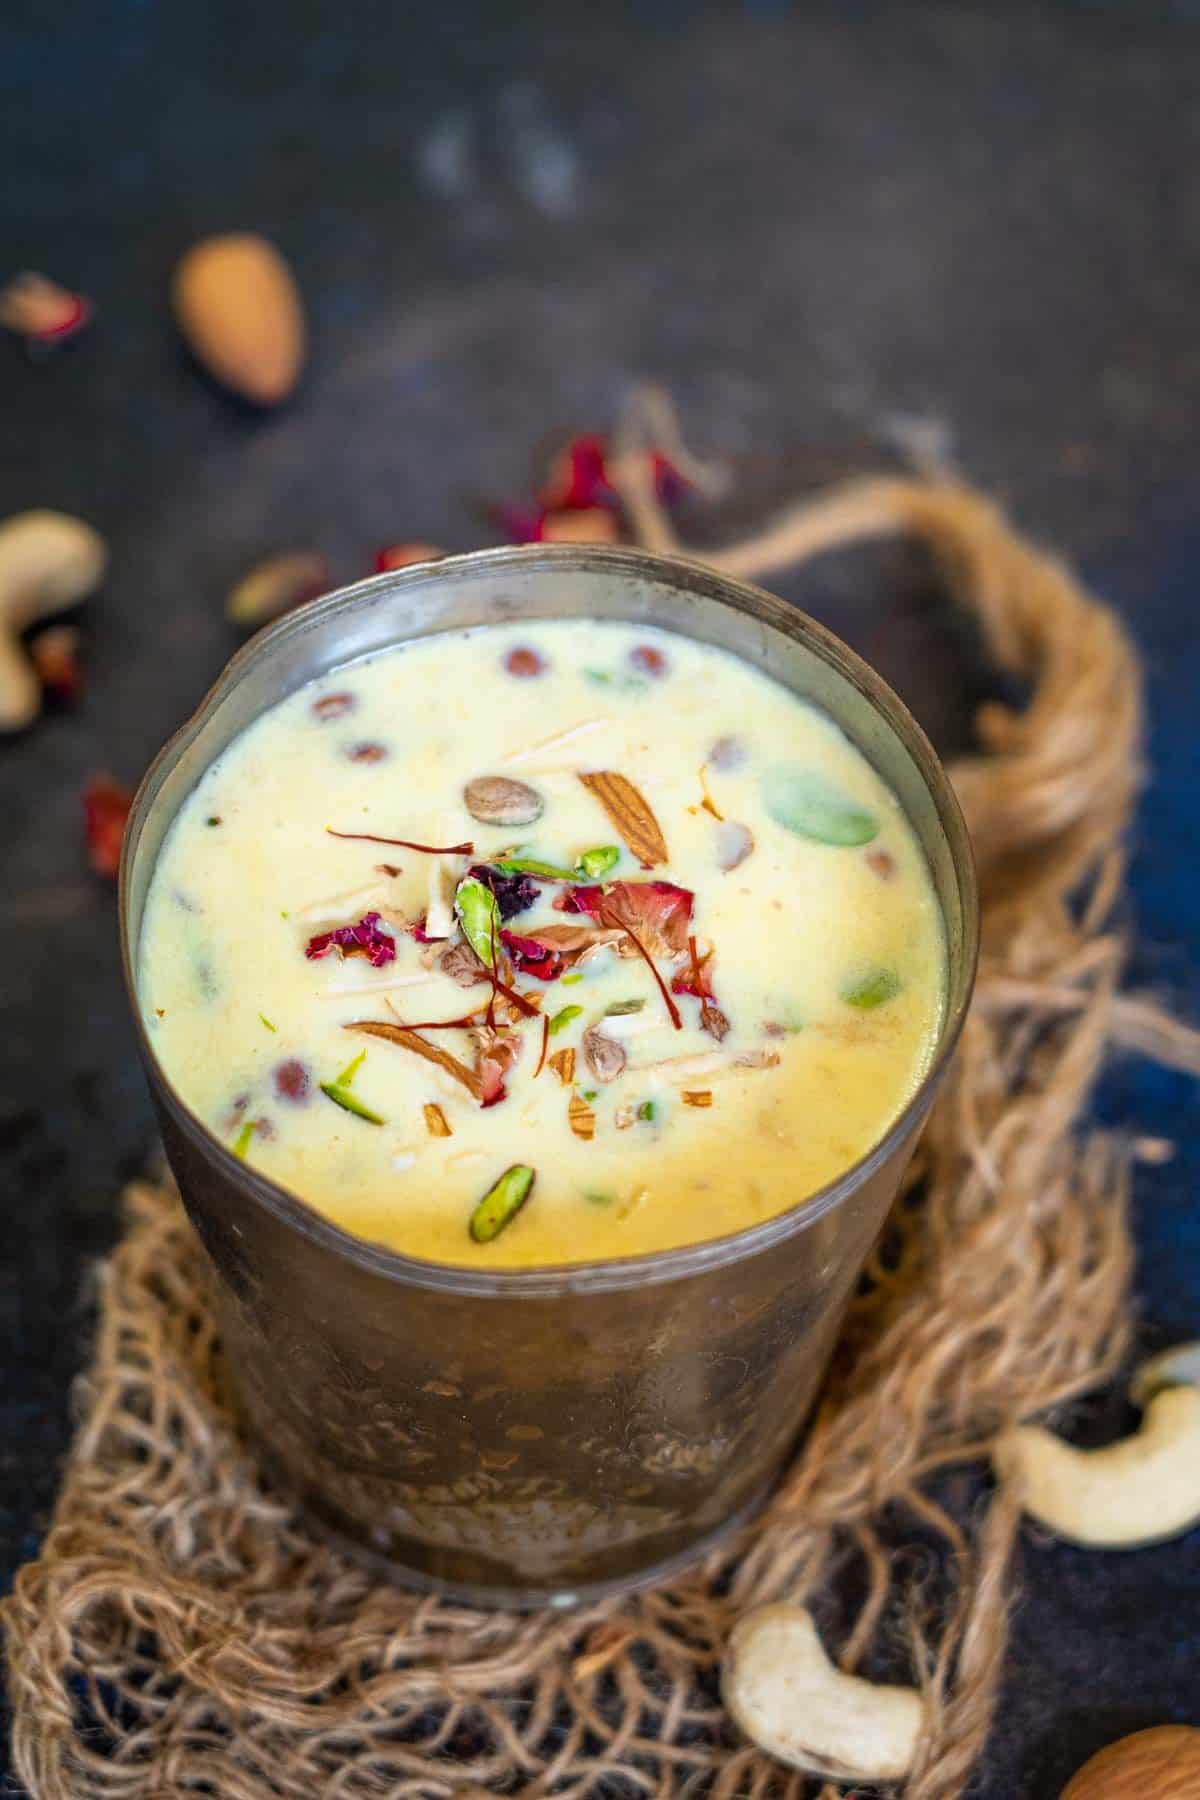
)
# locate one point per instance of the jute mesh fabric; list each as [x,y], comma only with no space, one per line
[182,1633]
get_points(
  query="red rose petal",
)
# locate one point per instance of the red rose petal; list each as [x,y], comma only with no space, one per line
[105,809]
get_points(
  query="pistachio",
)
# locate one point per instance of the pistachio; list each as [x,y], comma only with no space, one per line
[603,1055]
[812,806]
[479,917]
[562,1018]
[502,1202]
[499,800]
[277,586]
[872,989]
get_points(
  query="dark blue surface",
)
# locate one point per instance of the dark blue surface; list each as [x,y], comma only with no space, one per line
[813,223]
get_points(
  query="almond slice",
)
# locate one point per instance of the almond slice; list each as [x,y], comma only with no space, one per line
[435,1121]
[697,1096]
[563,1064]
[581,1118]
[412,1040]
[630,815]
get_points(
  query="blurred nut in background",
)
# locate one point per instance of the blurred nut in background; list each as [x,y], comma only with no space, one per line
[238,307]
[275,586]
[1161,1764]
[48,561]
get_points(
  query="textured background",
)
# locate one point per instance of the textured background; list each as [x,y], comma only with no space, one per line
[818,225]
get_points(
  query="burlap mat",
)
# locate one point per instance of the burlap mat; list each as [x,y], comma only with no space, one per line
[181,1633]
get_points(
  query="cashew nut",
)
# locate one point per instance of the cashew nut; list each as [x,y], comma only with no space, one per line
[47,561]
[1140,1490]
[783,1691]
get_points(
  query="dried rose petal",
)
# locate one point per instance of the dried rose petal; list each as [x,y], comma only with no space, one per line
[55,656]
[292,1081]
[42,311]
[105,809]
[532,958]
[513,893]
[658,911]
[363,939]
[402,556]
[524,662]
[334,706]
[458,961]
[497,1052]
[367,753]
[648,660]
[578,476]
[519,524]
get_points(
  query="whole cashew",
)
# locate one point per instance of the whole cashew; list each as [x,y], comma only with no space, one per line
[783,1691]
[1140,1490]
[47,561]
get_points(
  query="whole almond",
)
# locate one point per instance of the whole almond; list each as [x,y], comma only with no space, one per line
[1160,1764]
[238,307]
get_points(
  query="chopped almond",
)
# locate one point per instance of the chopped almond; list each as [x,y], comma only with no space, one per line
[697,1096]
[630,814]
[581,1118]
[435,1121]
[563,1064]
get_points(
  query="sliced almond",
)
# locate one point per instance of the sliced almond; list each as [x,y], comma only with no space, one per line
[697,1096]
[581,1118]
[412,1040]
[734,844]
[559,741]
[435,1121]
[630,814]
[237,305]
[439,912]
[563,1064]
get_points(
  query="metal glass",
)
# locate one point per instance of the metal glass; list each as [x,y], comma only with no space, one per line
[522,1436]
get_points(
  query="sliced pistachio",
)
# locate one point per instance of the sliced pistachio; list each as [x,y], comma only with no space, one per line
[595,864]
[499,800]
[341,1096]
[267,1022]
[563,1017]
[479,916]
[872,990]
[620,1008]
[502,1202]
[603,1055]
[532,865]
[808,803]
[243,1138]
[596,1197]
[647,1111]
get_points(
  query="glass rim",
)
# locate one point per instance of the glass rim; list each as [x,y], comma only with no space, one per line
[691,574]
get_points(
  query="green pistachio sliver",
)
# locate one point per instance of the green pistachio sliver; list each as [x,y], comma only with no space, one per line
[620,1008]
[479,917]
[244,1136]
[647,1111]
[807,803]
[591,1093]
[349,1102]
[872,990]
[267,1022]
[346,1078]
[502,1202]
[562,1018]
[595,864]
[595,1197]
[531,865]
[570,978]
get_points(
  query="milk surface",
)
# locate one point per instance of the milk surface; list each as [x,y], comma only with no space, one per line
[825,960]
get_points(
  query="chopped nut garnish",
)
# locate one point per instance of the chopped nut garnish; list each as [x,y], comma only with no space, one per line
[697,1096]
[631,815]
[435,1121]
[581,1118]
[563,1064]
[603,1055]
[499,800]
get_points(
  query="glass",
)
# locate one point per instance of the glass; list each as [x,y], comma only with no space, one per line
[524,1436]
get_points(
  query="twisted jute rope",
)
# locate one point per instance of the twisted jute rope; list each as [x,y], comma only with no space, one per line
[182,1633]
